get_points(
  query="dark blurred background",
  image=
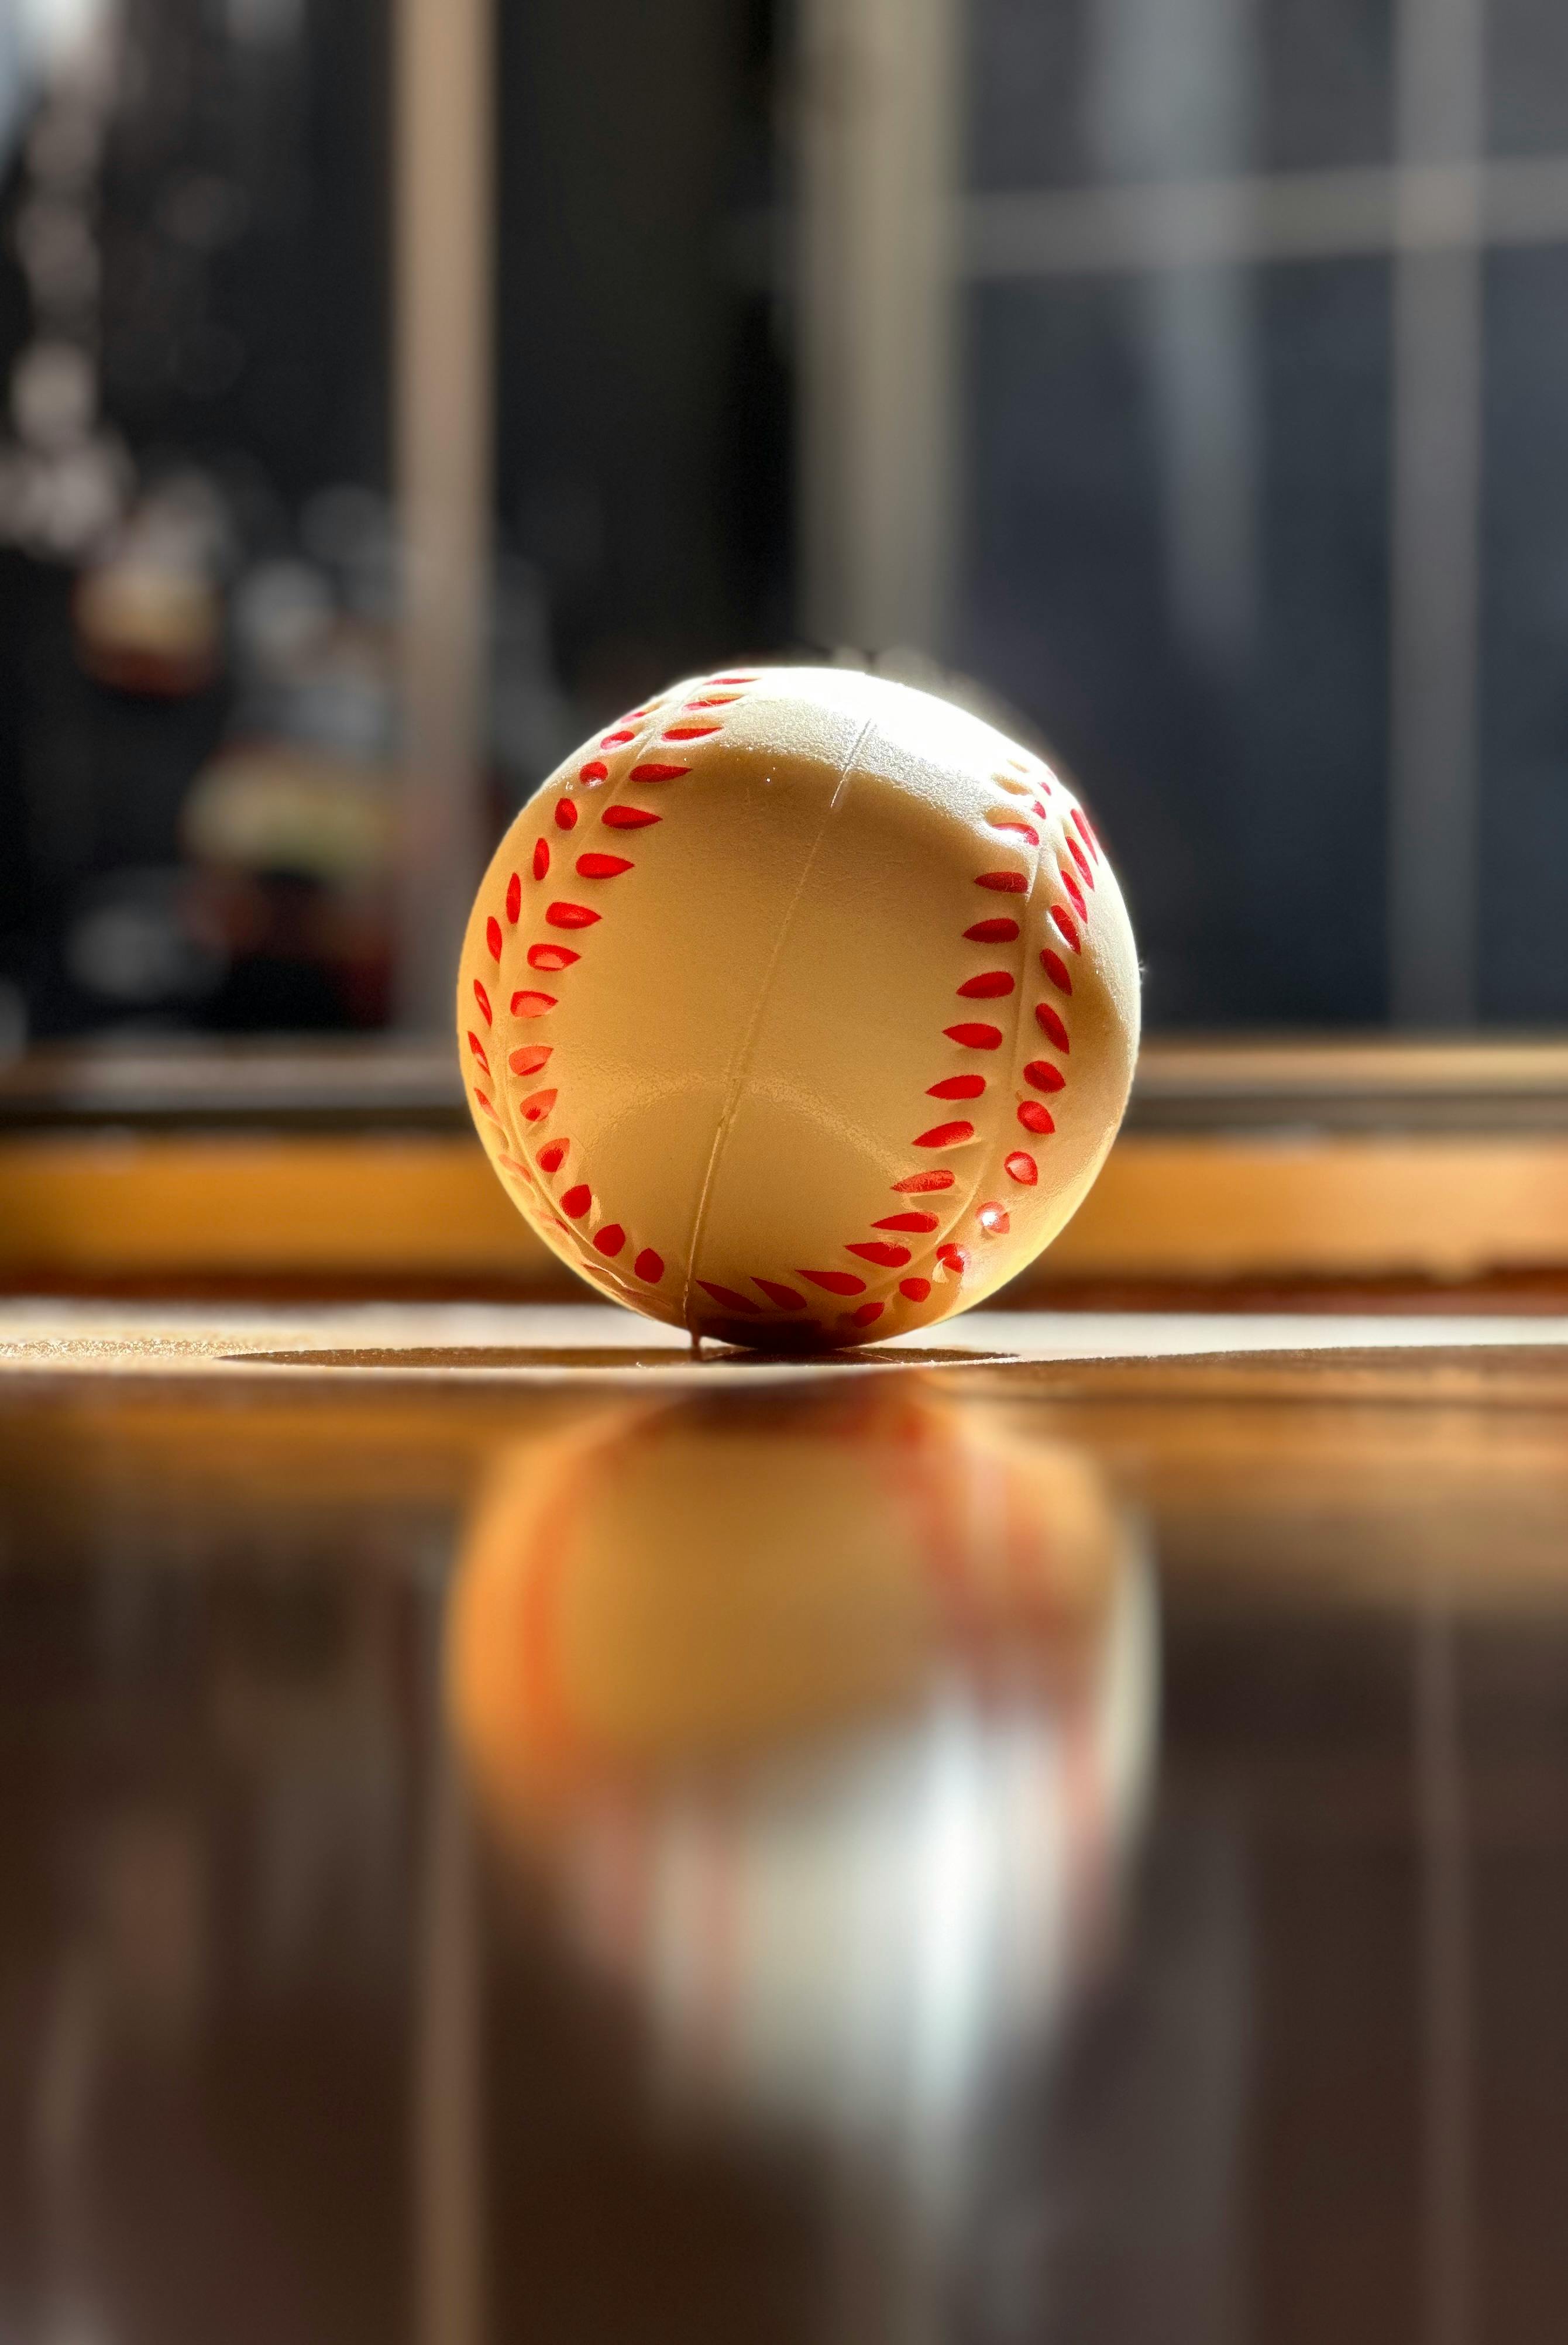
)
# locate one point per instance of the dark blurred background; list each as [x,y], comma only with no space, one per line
[1188,375]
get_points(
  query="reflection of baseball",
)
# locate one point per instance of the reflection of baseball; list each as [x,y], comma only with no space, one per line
[800,1006]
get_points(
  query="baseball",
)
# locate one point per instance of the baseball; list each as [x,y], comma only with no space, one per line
[799,1007]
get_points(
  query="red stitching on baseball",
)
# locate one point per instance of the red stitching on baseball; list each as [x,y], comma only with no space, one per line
[565,814]
[914,1290]
[576,1201]
[622,733]
[572,915]
[601,867]
[1056,970]
[1080,859]
[1036,1118]
[1021,1168]
[514,897]
[784,1296]
[866,1313]
[533,1005]
[1076,893]
[649,1265]
[477,1047]
[552,956]
[541,857]
[1063,919]
[836,1282]
[656,772]
[1086,832]
[626,817]
[994,1220]
[975,1038]
[886,1257]
[1044,1076]
[954,1258]
[991,932]
[728,1297]
[536,1107]
[1006,883]
[957,1087]
[692,732]
[610,1239]
[921,1184]
[595,770]
[493,940]
[488,1111]
[922,1224]
[551,1158]
[946,1135]
[1048,1019]
[991,985]
[1001,821]
[530,1058]
[484,1001]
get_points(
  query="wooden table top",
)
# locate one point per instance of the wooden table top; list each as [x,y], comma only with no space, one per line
[516,1832]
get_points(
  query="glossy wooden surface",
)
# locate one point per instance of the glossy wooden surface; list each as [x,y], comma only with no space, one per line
[529,1839]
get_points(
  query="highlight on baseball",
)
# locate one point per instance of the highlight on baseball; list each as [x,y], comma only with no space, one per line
[799,1007]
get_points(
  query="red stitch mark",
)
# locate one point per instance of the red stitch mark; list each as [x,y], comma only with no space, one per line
[1036,1118]
[991,932]
[714,700]
[1076,893]
[601,867]
[484,1103]
[649,1265]
[477,1047]
[945,1135]
[728,1297]
[1063,919]
[484,1001]
[1053,1025]
[1086,830]
[622,733]
[1006,883]
[551,1159]
[610,1239]
[530,1058]
[653,771]
[691,733]
[1044,1076]
[749,678]
[1056,970]
[957,1087]
[625,818]
[920,1184]
[565,814]
[914,1290]
[541,857]
[975,1038]
[989,986]
[1021,1168]
[954,1258]
[921,1223]
[518,1171]
[1040,810]
[866,1313]
[994,1220]
[531,1005]
[552,956]
[514,897]
[1000,820]
[493,938]
[576,1201]
[784,1296]
[1080,859]
[595,770]
[537,1106]
[886,1257]
[572,915]
[836,1282]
